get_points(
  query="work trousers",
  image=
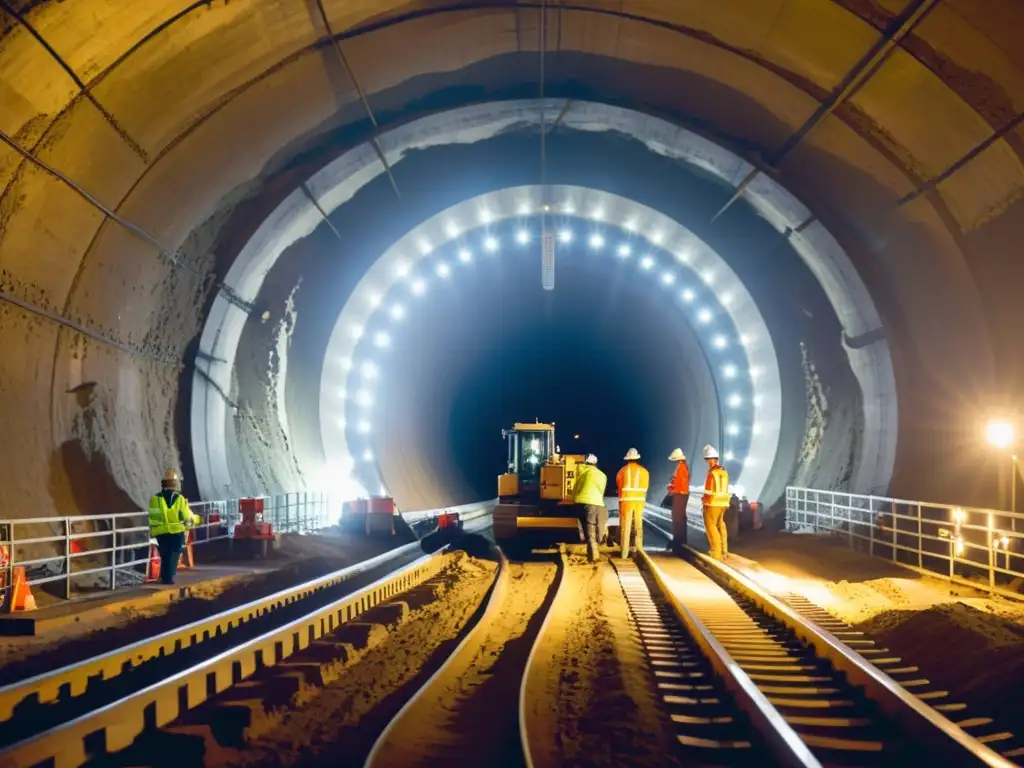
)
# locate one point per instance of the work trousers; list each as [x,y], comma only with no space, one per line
[679,502]
[595,521]
[631,514]
[170,546]
[718,536]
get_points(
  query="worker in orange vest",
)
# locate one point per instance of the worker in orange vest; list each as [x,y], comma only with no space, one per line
[633,481]
[679,492]
[716,502]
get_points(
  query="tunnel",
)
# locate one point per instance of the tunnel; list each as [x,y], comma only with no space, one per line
[297,245]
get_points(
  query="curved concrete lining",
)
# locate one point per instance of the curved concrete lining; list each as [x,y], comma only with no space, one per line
[337,182]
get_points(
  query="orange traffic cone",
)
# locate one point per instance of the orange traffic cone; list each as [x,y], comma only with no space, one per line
[154,564]
[187,559]
[21,595]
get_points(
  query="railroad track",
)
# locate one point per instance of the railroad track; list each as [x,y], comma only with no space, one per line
[99,707]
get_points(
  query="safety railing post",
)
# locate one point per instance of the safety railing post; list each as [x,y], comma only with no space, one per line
[67,558]
[871,525]
[895,526]
[920,542]
[991,551]
[113,552]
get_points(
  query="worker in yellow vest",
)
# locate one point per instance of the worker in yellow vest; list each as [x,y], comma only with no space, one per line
[632,481]
[588,492]
[169,519]
[716,502]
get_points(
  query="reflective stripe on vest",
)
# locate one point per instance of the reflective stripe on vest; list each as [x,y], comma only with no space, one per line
[633,489]
[716,488]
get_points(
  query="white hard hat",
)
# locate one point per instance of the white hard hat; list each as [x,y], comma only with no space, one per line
[677,455]
[632,455]
[591,458]
[710,452]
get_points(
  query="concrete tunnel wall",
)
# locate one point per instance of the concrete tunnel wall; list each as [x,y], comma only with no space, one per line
[207,110]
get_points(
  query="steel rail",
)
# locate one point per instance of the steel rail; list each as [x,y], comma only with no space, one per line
[115,726]
[785,744]
[943,740]
[469,644]
[74,678]
[524,736]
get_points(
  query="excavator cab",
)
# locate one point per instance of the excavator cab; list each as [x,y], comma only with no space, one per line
[535,492]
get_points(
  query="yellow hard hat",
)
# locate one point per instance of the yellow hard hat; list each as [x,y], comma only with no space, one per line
[171,479]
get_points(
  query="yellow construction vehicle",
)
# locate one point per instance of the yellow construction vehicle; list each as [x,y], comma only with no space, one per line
[535,493]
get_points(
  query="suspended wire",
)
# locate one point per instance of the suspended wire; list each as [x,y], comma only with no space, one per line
[543,126]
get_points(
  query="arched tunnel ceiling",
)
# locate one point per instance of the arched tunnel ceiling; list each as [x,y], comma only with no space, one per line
[898,123]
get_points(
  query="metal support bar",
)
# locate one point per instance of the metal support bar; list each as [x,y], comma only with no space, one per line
[168,254]
[82,87]
[561,115]
[862,71]
[737,194]
[309,193]
[931,184]
[362,95]
[36,310]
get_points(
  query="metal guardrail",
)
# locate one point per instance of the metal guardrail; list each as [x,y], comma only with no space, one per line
[112,551]
[975,547]
[116,725]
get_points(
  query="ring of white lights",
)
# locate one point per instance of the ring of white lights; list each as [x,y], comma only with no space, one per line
[711,296]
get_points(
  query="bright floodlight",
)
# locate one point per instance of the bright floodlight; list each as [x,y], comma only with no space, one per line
[756,429]
[755,372]
[732,429]
[720,342]
[485,216]
[341,423]
[735,401]
[745,339]
[369,371]
[683,256]
[375,300]
[728,456]
[704,316]
[356,331]
[425,247]
[491,243]
[465,256]
[565,236]
[598,214]
[363,427]
[707,276]
[668,278]
[646,262]
[657,237]
[631,226]
[523,236]
[596,241]
[451,229]
[758,399]
[402,269]
[381,339]
[367,455]
[524,209]
[346,364]
[443,270]
[687,295]
[726,299]
[729,371]
[418,287]
[1000,434]
[397,312]
[625,250]
[342,394]
[364,399]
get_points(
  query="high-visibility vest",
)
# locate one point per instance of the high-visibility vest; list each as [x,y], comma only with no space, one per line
[590,485]
[681,479]
[633,481]
[716,488]
[169,519]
